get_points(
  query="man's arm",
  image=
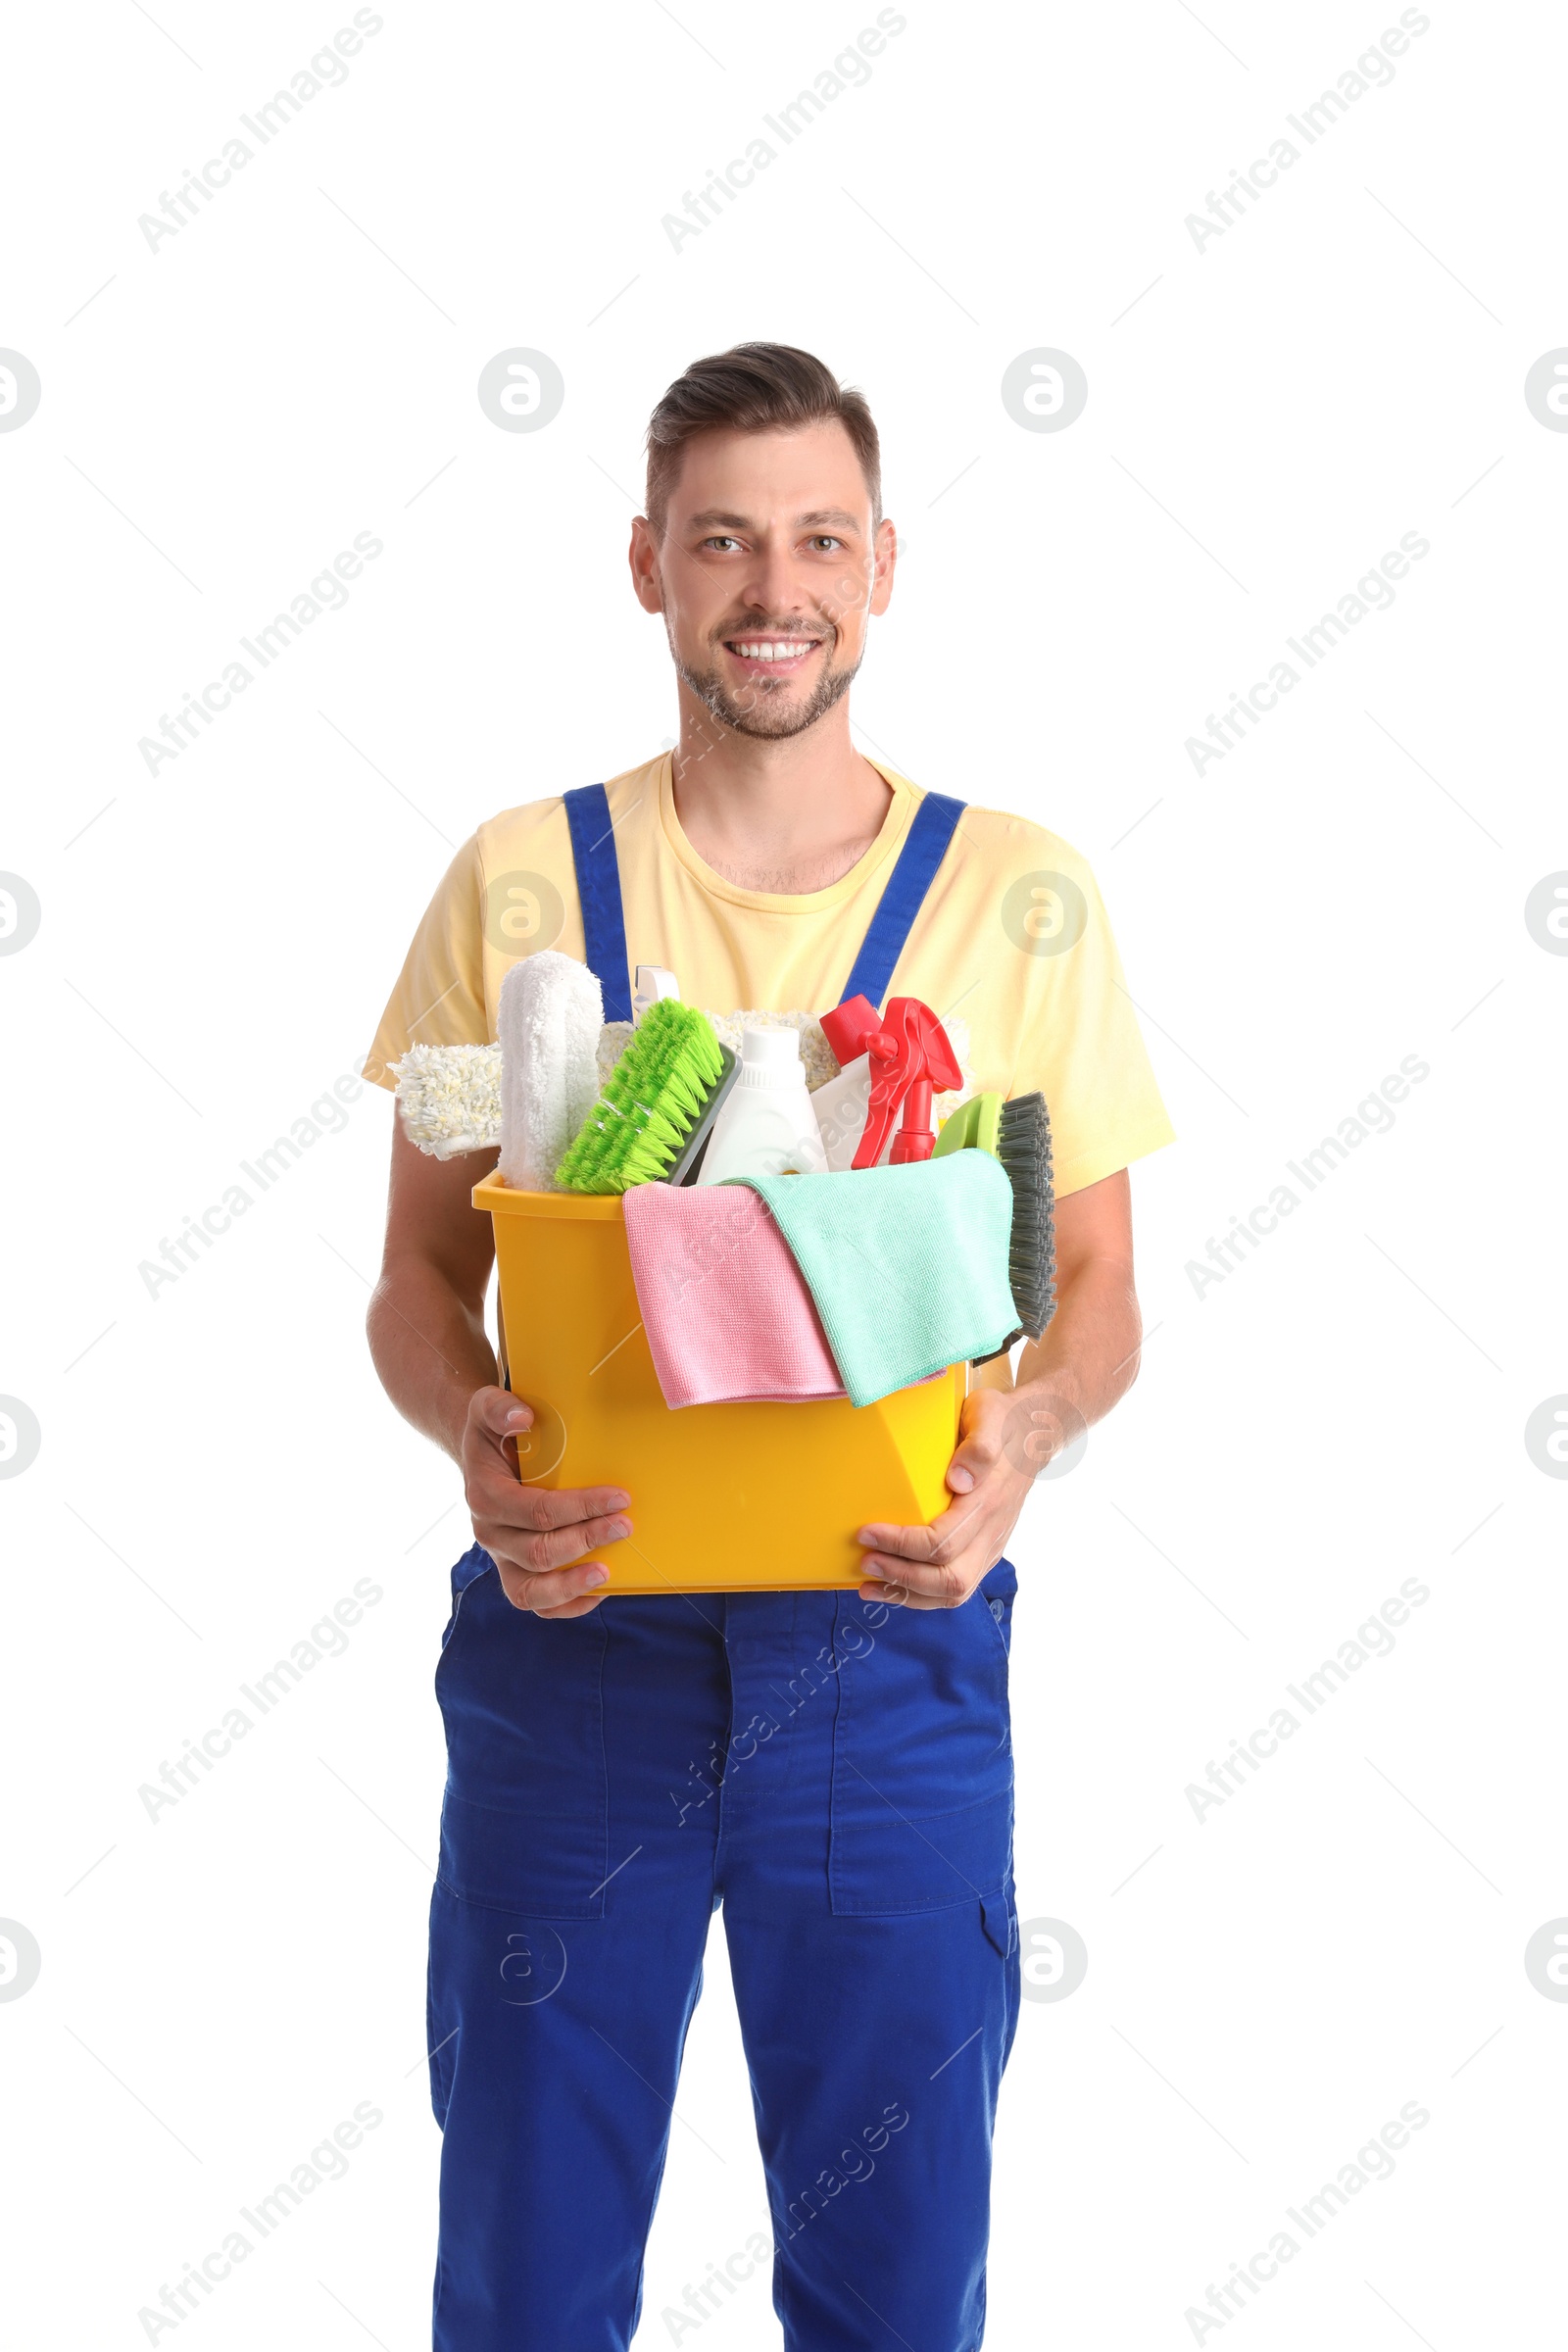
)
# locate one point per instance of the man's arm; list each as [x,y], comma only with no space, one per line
[430,1345]
[1087,1360]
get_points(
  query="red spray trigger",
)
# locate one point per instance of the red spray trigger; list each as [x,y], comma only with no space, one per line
[849,1028]
[910,1055]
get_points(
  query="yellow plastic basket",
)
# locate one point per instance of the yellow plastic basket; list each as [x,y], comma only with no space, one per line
[724,1498]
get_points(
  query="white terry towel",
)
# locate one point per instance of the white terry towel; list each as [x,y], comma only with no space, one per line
[551,1011]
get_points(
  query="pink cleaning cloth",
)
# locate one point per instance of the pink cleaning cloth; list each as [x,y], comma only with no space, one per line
[728,1316]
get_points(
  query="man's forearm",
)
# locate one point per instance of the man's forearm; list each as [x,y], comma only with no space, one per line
[1089,1356]
[430,1351]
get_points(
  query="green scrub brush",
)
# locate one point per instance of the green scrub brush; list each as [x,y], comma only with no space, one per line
[1018,1133]
[661,1093]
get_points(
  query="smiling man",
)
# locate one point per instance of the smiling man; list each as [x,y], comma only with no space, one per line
[834,1768]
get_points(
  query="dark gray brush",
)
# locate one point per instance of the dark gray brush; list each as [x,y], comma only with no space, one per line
[1023,1146]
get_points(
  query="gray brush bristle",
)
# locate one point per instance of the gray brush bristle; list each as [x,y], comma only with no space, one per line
[1023,1146]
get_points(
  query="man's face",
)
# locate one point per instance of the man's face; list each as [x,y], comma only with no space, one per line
[767,572]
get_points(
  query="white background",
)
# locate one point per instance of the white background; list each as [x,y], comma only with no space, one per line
[1267,415]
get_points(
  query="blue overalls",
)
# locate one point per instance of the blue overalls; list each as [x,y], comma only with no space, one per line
[838,1774]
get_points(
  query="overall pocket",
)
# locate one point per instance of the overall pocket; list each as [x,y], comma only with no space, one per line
[922,1757]
[524,1822]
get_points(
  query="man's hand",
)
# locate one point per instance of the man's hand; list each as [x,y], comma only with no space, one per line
[1007,1436]
[998,1459]
[532,1531]
[427,1326]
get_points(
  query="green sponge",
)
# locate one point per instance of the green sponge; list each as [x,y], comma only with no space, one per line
[972,1126]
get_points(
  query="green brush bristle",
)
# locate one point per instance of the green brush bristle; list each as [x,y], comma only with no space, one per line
[1023,1146]
[651,1101]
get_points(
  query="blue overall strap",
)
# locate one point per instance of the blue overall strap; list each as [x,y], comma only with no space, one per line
[604,926]
[935,822]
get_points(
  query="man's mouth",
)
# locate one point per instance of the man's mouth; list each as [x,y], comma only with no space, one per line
[772,656]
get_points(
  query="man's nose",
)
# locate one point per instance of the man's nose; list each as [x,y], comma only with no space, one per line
[772,587]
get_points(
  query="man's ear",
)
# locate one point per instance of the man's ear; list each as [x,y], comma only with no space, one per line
[884,553]
[642,557]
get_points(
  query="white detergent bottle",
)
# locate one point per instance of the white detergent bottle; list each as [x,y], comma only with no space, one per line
[766,1125]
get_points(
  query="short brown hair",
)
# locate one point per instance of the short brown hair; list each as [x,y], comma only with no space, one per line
[752,388]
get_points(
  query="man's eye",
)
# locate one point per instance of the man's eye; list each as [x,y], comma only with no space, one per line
[720,540]
[826,541]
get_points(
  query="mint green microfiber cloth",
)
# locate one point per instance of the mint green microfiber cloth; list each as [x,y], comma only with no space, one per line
[907,1266]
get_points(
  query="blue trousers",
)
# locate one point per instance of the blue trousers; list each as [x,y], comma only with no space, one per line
[838,1774]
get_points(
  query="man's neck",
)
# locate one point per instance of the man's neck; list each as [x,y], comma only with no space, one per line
[787,814]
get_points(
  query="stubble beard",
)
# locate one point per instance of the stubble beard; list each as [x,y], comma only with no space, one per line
[763,709]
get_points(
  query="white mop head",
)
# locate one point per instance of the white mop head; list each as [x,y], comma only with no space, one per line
[450,1097]
[551,1012]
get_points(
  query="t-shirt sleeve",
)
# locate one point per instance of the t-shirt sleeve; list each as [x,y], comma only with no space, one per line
[1082,1047]
[439,998]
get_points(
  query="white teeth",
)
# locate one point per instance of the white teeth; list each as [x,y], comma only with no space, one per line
[767,651]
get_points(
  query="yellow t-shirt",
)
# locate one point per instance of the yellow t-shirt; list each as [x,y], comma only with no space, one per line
[1012,940]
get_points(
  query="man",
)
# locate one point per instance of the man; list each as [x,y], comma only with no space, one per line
[616,1772]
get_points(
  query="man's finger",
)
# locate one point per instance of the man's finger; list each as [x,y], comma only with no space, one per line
[937,1586]
[543,1549]
[498,1412]
[951,1528]
[976,1457]
[517,1505]
[905,1543]
[562,1591]
[898,1596]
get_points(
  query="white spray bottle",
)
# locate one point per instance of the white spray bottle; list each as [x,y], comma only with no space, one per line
[654,982]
